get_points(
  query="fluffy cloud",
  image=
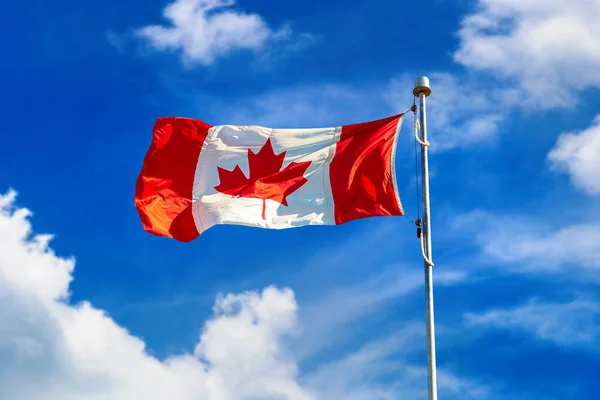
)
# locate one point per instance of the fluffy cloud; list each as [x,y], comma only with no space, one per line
[51,349]
[572,323]
[576,153]
[549,48]
[203,30]
[538,53]
[516,52]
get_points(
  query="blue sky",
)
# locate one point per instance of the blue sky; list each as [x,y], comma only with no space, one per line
[516,218]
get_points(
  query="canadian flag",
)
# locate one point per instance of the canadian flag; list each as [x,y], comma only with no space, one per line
[195,176]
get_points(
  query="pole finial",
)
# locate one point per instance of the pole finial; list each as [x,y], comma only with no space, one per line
[422,86]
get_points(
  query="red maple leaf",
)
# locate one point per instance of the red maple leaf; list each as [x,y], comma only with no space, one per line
[267,180]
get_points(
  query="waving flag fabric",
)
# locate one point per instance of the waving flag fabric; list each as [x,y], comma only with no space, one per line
[195,176]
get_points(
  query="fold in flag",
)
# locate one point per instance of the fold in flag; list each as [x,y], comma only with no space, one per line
[196,176]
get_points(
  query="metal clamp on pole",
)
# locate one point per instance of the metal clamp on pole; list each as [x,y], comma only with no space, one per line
[422,90]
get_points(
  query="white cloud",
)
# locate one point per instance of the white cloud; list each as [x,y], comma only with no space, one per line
[570,245]
[362,371]
[330,318]
[50,282]
[528,245]
[453,122]
[51,349]
[538,53]
[572,323]
[365,374]
[577,153]
[204,30]
[549,48]
[307,106]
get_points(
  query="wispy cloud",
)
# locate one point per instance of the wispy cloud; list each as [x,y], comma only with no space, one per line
[547,51]
[461,113]
[379,370]
[574,323]
[308,106]
[528,245]
[359,375]
[329,319]
[576,153]
[454,122]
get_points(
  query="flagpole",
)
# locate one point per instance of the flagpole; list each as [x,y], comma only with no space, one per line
[422,90]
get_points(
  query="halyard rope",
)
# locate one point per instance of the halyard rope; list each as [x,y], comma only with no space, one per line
[423,143]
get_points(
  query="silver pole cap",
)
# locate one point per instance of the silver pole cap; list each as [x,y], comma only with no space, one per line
[422,86]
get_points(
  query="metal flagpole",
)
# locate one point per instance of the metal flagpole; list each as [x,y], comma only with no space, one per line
[422,90]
